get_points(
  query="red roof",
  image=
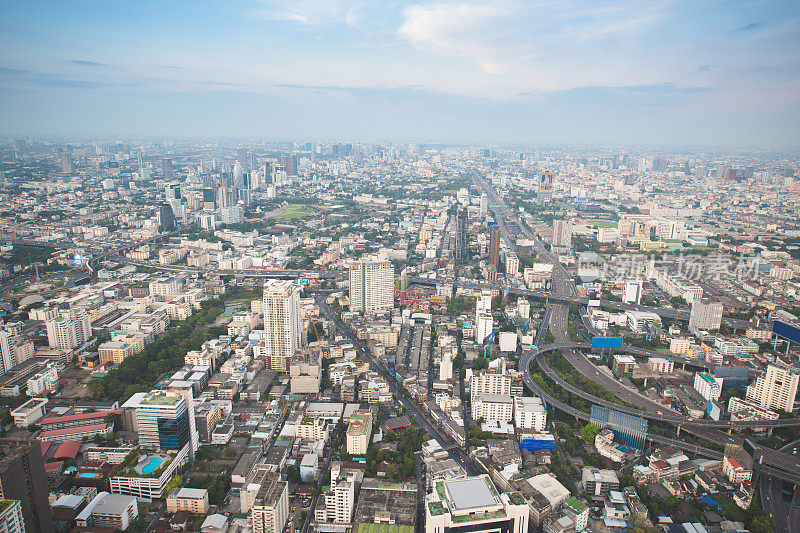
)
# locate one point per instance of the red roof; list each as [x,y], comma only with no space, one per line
[56,465]
[67,450]
[82,416]
[70,431]
[45,447]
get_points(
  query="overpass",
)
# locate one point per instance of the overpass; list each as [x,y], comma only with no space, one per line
[538,357]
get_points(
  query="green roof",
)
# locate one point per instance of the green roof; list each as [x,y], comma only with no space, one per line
[384,528]
[5,504]
[436,508]
[160,399]
[576,504]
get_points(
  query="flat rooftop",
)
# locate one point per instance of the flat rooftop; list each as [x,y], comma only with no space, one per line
[471,493]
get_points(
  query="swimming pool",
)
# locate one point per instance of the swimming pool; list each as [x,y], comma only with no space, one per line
[86,475]
[150,467]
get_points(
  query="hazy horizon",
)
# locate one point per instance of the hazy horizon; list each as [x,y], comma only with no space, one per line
[671,74]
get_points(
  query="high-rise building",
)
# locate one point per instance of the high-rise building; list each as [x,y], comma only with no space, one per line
[709,387]
[6,357]
[172,191]
[22,478]
[166,168]
[166,218]
[270,509]
[185,389]
[162,419]
[494,246]
[484,205]
[243,157]
[776,388]
[290,165]
[489,383]
[512,264]
[562,233]
[484,327]
[633,292]
[371,286]
[628,429]
[66,163]
[545,187]
[11,519]
[474,504]
[461,253]
[282,321]
[705,316]
[69,329]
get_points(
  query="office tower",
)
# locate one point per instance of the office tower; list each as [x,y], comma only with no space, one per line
[282,322]
[185,389]
[270,509]
[484,327]
[163,420]
[209,199]
[243,157]
[446,367]
[22,478]
[224,197]
[562,233]
[11,519]
[371,286]
[705,316]
[165,218]
[461,253]
[545,188]
[70,329]
[338,503]
[166,168]
[6,357]
[494,246]
[66,163]
[172,191]
[290,165]
[776,388]
[462,196]
[633,292]
[484,205]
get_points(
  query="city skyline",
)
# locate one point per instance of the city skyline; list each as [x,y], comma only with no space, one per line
[665,73]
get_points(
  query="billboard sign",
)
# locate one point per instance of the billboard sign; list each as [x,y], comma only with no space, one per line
[607,343]
[786,331]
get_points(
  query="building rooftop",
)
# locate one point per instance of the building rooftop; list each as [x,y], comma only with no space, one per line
[471,494]
[160,399]
[113,504]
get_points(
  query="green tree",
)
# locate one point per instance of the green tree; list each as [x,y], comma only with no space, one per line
[589,432]
[762,524]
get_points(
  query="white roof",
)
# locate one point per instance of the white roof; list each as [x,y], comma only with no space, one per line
[186,492]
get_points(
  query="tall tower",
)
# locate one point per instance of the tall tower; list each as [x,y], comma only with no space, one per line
[22,477]
[282,322]
[371,286]
[461,254]
[494,246]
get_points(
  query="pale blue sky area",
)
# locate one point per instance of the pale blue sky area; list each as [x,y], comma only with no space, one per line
[711,73]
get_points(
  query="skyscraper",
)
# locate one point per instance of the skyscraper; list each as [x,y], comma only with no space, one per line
[371,286]
[243,156]
[545,187]
[281,318]
[290,165]
[776,388]
[69,329]
[163,420]
[705,316]
[66,163]
[461,253]
[22,478]
[166,218]
[494,246]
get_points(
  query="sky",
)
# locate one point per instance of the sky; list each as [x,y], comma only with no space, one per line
[662,73]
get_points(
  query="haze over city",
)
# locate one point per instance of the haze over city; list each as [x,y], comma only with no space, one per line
[273,266]
[657,73]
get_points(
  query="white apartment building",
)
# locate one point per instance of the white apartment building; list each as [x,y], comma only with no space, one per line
[705,316]
[282,318]
[489,383]
[776,388]
[529,413]
[708,386]
[493,407]
[358,433]
[69,329]
[371,286]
